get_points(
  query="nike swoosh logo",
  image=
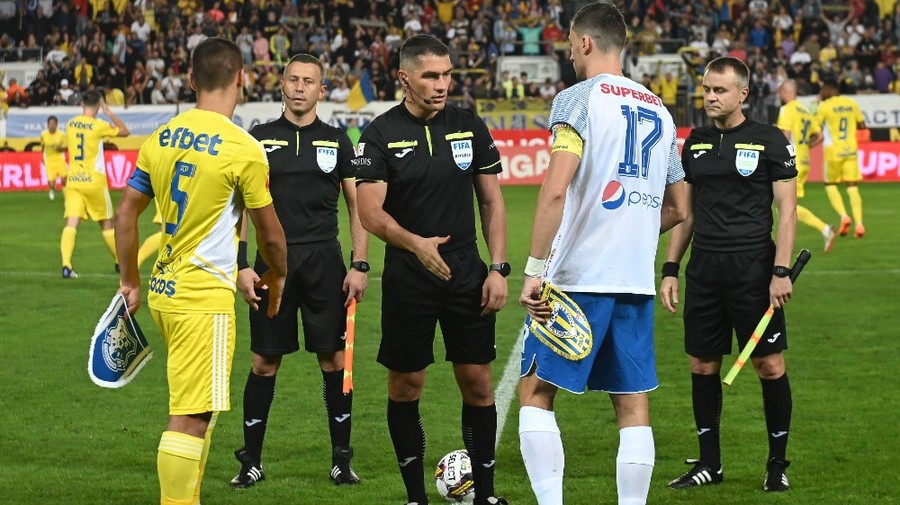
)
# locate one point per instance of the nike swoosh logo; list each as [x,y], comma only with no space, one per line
[404,152]
[702,431]
[779,434]
[489,464]
[774,338]
[407,461]
[342,418]
[252,422]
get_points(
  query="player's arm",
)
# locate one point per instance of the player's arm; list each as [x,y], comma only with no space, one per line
[565,156]
[117,121]
[246,277]
[679,239]
[675,204]
[272,247]
[785,197]
[135,199]
[493,226]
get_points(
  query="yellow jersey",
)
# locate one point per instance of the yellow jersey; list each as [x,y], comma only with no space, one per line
[794,117]
[839,115]
[202,170]
[84,139]
[54,159]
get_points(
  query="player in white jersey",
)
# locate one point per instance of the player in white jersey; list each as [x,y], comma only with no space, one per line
[613,185]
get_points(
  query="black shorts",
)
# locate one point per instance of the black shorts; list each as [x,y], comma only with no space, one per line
[314,287]
[414,300]
[728,293]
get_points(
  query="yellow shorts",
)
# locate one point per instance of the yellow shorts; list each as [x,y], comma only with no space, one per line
[88,202]
[842,169]
[200,348]
[55,171]
[802,175]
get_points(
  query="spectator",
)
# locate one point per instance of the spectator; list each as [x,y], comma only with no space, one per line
[340,93]
[84,74]
[158,96]
[65,92]
[156,66]
[142,29]
[172,85]
[114,96]
[531,34]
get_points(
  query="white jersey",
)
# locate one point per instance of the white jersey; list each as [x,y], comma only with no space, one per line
[610,226]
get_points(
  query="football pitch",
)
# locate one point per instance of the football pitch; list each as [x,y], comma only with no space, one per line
[66,441]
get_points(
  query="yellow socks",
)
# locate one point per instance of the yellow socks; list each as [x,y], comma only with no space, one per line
[149,248]
[67,245]
[855,203]
[834,197]
[109,236]
[178,464]
[806,217]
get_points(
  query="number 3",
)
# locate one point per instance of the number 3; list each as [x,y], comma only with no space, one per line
[182,169]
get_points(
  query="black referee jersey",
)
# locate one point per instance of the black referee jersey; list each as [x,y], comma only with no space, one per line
[731,174]
[306,167]
[430,167]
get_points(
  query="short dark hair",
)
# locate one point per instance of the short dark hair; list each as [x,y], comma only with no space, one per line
[421,45]
[214,63]
[831,83]
[721,64]
[91,98]
[53,118]
[310,59]
[604,23]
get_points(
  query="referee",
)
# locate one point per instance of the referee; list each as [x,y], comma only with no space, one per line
[735,170]
[310,164]
[420,164]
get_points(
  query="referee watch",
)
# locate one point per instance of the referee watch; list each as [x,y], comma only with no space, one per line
[502,268]
[780,271]
[362,266]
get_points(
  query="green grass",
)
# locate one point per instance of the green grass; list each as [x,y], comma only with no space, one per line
[66,441]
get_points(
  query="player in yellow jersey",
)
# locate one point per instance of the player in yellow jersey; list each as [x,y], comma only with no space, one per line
[203,171]
[53,144]
[86,191]
[840,117]
[800,126]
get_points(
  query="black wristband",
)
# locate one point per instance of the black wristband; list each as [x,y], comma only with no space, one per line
[670,269]
[242,255]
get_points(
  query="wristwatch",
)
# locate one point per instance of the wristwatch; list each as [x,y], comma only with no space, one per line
[362,266]
[502,268]
[780,271]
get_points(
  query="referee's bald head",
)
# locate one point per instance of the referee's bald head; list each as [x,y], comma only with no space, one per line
[604,23]
[418,46]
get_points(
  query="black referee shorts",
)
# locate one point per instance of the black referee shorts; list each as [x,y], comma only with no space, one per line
[414,301]
[728,293]
[314,287]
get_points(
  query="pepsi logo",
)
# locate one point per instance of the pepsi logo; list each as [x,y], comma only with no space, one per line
[613,195]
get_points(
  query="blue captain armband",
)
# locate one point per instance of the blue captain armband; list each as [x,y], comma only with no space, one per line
[140,181]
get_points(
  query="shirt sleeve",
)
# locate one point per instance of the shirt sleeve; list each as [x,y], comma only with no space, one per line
[346,168]
[571,107]
[782,161]
[253,178]
[486,156]
[675,170]
[686,157]
[784,118]
[107,130]
[370,159]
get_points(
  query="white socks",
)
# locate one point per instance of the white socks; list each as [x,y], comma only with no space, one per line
[634,464]
[542,451]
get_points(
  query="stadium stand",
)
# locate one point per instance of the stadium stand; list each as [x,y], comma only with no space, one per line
[132,46]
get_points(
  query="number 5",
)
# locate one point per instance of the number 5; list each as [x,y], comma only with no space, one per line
[182,169]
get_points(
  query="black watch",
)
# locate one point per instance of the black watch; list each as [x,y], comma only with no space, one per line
[780,271]
[503,268]
[362,266]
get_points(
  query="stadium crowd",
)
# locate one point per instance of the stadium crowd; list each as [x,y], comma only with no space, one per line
[138,52]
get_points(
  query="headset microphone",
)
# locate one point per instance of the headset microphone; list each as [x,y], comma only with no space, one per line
[426,101]
[285,94]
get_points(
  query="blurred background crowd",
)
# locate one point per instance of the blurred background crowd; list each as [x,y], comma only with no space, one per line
[138,52]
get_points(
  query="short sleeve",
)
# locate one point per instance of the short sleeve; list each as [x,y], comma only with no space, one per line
[252,174]
[784,118]
[370,159]
[782,161]
[675,170]
[686,157]
[107,130]
[346,168]
[486,156]
[145,159]
[571,107]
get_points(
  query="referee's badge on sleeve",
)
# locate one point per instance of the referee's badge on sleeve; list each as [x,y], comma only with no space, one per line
[567,331]
[118,348]
[462,153]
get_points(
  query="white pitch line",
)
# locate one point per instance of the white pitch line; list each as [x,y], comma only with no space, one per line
[506,390]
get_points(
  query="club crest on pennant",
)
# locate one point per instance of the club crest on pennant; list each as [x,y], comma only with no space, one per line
[746,161]
[326,157]
[462,153]
[118,348]
[567,331]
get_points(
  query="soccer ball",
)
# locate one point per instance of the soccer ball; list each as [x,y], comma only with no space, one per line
[453,477]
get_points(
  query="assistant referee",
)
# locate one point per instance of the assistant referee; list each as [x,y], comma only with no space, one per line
[311,164]
[420,164]
[735,169]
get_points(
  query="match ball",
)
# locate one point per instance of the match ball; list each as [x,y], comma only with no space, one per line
[453,477]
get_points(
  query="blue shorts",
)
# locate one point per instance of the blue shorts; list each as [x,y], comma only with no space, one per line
[622,359]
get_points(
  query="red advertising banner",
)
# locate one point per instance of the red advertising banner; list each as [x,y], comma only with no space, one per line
[25,171]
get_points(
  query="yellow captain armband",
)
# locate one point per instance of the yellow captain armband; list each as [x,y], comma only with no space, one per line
[565,138]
